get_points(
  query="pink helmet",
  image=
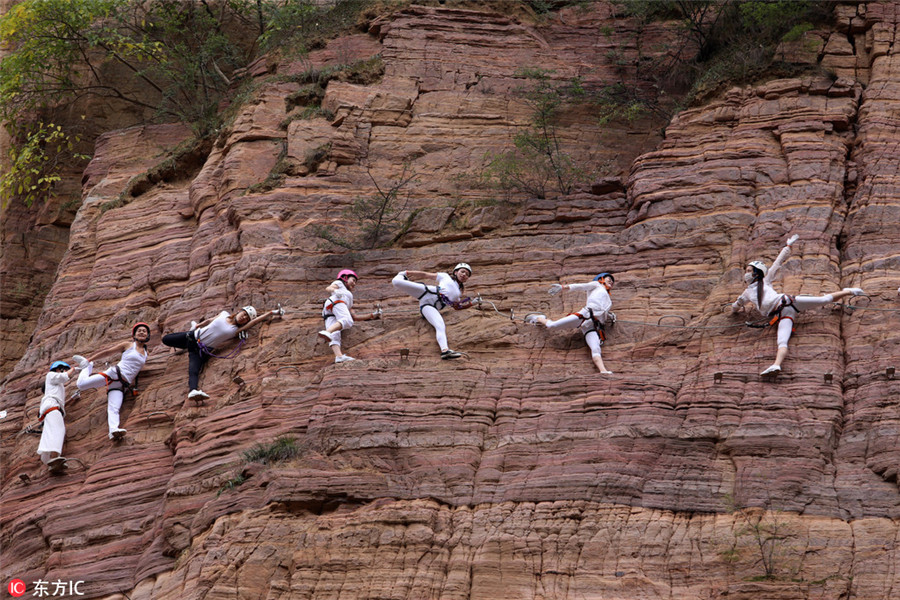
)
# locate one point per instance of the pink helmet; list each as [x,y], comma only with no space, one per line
[347,273]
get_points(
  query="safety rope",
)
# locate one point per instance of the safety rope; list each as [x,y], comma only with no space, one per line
[204,349]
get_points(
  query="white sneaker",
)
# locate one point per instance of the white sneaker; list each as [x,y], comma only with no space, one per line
[326,335]
[342,359]
[197,395]
[770,370]
[855,291]
[81,361]
[117,434]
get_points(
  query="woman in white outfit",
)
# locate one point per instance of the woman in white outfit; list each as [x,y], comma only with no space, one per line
[119,378]
[338,312]
[51,413]
[589,319]
[205,338]
[433,298]
[781,308]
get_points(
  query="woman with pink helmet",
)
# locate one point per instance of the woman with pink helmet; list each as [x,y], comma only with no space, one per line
[338,312]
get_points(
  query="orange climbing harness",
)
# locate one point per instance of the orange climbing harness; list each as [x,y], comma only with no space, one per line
[48,411]
[595,322]
[775,316]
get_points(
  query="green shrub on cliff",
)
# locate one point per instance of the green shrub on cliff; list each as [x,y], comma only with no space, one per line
[539,164]
[159,60]
[719,43]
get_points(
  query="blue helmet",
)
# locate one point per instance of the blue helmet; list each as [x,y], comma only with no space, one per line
[58,364]
[604,274]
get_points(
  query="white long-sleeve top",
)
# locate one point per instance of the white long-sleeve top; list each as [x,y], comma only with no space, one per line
[771,298]
[449,287]
[54,392]
[598,299]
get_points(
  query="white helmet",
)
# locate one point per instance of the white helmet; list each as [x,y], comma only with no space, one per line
[758,264]
[251,312]
[463,266]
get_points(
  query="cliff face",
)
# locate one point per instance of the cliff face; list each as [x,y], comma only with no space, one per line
[517,472]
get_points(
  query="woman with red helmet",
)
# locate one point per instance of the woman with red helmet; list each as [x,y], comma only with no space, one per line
[119,378]
[591,319]
[338,312]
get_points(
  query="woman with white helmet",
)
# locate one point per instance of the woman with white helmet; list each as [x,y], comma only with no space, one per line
[205,338]
[433,298]
[781,308]
[338,312]
[51,413]
[591,319]
[118,379]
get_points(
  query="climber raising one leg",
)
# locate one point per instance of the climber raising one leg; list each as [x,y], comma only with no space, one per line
[432,298]
[205,338]
[51,413]
[780,308]
[338,312]
[118,379]
[591,319]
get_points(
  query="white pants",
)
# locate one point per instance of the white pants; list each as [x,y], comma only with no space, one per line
[336,336]
[591,337]
[341,315]
[427,299]
[53,435]
[114,398]
[789,313]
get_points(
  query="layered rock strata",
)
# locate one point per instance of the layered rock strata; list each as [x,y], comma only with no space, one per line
[517,472]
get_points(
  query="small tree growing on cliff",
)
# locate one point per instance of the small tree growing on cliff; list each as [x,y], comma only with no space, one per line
[164,60]
[769,534]
[538,165]
[377,215]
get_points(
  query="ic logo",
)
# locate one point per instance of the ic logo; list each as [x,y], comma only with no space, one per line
[16,587]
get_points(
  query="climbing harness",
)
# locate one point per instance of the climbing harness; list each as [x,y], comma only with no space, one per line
[204,349]
[330,307]
[50,410]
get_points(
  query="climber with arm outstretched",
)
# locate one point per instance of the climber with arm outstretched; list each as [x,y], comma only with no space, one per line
[591,319]
[432,298]
[781,308]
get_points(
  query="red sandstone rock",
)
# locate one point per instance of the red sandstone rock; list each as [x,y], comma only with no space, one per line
[517,472]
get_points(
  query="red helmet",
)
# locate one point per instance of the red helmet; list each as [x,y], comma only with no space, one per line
[136,325]
[347,273]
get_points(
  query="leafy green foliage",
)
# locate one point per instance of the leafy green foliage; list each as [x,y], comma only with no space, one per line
[35,162]
[538,165]
[169,60]
[305,24]
[722,42]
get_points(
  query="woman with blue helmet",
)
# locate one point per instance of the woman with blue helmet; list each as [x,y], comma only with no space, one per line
[590,319]
[51,413]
